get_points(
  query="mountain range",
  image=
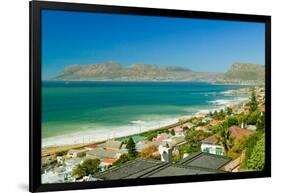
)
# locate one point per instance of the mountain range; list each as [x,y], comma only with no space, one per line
[237,74]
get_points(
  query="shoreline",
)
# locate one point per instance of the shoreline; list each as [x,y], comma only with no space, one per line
[82,142]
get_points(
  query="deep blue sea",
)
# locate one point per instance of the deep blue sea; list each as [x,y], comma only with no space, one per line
[92,110]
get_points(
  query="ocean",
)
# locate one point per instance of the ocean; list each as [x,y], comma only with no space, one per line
[88,111]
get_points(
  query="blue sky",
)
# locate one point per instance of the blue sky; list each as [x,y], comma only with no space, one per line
[201,45]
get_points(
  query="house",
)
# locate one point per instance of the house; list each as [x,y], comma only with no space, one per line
[204,128]
[188,125]
[238,132]
[143,144]
[113,145]
[207,119]
[50,178]
[197,163]
[176,141]
[103,153]
[210,145]
[251,128]
[60,159]
[46,161]
[161,137]
[76,153]
[215,122]
[201,114]
[105,163]
[177,130]
[234,165]
[184,119]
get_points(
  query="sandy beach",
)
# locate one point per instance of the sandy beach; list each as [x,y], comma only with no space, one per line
[86,138]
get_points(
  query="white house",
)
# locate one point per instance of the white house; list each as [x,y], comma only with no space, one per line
[76,153]
[210,145]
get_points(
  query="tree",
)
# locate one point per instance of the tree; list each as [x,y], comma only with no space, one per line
[253,101]
[229,111]
[253,117]
[79,172]
[232,121]
[173,132]
[88,167]
[225,138]
[195,136]
[221,114]
[260,123]
[241,120]
[131,146]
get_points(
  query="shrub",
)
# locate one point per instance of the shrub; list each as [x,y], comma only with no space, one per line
[148,151]
[122,159]
[89,166]
[257,157]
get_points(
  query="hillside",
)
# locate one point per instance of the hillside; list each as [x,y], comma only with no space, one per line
[114,71]
[237,74]
[245,74]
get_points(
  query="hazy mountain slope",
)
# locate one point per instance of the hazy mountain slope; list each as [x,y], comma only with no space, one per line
[245,73]
[237,74]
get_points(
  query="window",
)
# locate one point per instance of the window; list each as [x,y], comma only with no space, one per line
[219,151]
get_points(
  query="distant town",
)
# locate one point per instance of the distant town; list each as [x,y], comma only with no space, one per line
[230,139]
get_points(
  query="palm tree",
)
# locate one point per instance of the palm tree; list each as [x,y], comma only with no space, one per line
[241,120]
[225,138]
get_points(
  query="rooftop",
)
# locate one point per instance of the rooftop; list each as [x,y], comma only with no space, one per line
[239,132]
[205,160]
[210,140]
[106,153]
[199,163]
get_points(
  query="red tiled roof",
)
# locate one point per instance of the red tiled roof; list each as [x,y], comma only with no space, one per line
[211,140]
[108,161]
[239,132]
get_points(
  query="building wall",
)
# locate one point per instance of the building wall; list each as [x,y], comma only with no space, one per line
[212,149]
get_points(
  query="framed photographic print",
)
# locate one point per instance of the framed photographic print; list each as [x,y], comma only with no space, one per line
[125,96]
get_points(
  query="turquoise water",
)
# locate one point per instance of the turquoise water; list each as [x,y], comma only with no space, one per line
[69,107]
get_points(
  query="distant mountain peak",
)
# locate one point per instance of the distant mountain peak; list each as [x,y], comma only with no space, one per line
[237,74]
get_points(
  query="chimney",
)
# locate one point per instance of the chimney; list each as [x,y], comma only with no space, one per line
[166,153]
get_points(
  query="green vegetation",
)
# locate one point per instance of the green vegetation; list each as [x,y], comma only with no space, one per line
[254,155]
[229,111]
[218,115]
[230,121]
[189,148]
[195,136]
[253,101]
[61,153]
[122,159]
[131,146]
[88,167]
[257,157]
[261,123]
[252,117]
[224,136]
[237,148]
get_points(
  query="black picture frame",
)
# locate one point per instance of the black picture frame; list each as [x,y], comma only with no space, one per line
[35,94]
